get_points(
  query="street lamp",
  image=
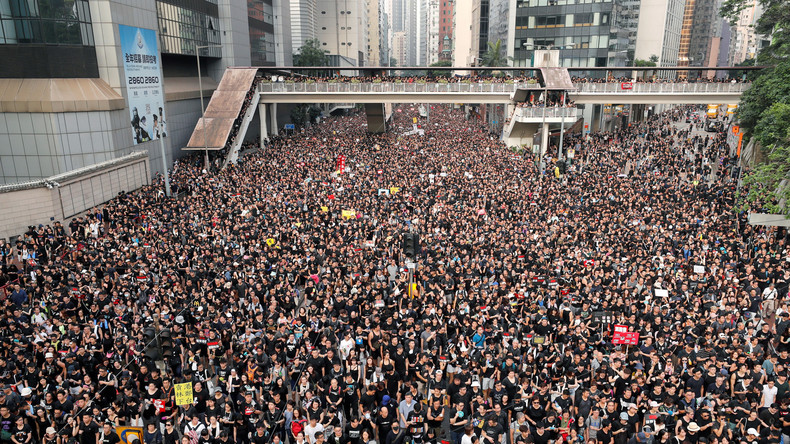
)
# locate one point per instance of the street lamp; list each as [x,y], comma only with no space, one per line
[202,108]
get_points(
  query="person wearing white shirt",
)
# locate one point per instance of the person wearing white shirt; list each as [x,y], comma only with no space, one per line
[311,429]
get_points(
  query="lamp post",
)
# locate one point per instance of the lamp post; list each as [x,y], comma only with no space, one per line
[202,108]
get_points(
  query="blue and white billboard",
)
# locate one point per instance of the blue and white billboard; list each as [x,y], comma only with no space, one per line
[141,64]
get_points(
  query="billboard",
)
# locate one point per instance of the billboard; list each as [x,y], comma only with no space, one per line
[141,64]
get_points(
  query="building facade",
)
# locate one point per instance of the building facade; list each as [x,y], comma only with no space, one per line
[304,22]
[446,9]
[66,103]
[373,56]
[342,30]
[744,43]
[660,37]
[587,32]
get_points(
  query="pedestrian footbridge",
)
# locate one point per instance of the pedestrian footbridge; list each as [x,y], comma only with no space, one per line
[483,92]
[242,91]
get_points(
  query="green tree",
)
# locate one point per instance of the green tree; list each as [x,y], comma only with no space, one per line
[644,63]
[494,56]
[763,112]
[441,63]
[774,22]
[311,54]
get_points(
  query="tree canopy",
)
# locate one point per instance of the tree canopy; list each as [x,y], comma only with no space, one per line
[311,54]
[494,56]
[441,63]
[764,110]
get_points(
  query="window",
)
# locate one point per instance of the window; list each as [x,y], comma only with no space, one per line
[549,21]
[583,19]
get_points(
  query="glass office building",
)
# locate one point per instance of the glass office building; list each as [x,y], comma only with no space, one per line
[586,32]
[47,39]
[65,98]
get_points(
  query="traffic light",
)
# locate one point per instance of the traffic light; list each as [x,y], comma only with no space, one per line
[151,344]
[166,343]
[411,244]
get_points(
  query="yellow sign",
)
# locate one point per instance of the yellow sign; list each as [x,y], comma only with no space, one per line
[348,214]
[184,393]
[414,119]
[129,435]
[325,209]
[413,292]
[270,242]
[394,190]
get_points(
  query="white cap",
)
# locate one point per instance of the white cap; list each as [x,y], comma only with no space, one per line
[752,431]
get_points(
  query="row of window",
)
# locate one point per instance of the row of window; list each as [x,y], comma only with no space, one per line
[58,22]
[563,20]
[49,31]
[181,30]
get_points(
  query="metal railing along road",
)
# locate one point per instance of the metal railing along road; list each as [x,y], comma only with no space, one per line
[586,88]
[387,87]
[533,112]
[660,88]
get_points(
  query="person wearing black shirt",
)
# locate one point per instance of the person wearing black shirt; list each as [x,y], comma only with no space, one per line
[337,436]
[274,420]
[492,431]
[86,431]
[170,436]
[383,422]
[604,436]
[541,436]
[21,433]
[415,423]
[396,435]
[260,436]
[435,416]
[354,430]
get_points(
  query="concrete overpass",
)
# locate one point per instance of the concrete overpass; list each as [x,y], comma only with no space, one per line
[482,92]
[245,90]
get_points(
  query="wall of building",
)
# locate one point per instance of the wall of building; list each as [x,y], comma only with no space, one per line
[660,24]
[464,49]
[64,196]
[342,29]
[587,33]
[36,145]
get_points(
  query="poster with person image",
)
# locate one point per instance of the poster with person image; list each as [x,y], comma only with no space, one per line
[141,64]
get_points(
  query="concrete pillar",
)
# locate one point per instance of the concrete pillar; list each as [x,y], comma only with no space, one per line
[264,122]
[544,143]
[273,112]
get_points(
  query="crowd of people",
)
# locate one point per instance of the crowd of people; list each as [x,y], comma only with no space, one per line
[300,308]
[234,131]
[592,77]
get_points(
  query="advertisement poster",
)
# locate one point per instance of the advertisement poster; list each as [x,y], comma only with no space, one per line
[143,83]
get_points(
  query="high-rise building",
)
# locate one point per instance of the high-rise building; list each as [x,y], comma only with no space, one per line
[433,42]
[660,25]
[399,42]
[342,31]
[498,20]
[744,42]
[67,99]
[587,33]
[446,8]
[303,22]
[270,32]
[374,33]
[700,35]
[466,34]
[385,39]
